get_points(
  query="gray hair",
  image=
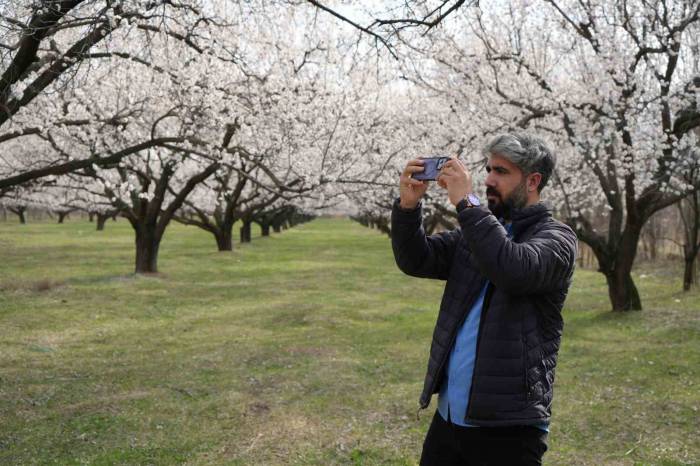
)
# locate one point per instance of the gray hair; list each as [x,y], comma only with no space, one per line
[527,152]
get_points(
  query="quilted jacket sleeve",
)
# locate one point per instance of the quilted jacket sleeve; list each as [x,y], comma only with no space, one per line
[543,263]
[415,253]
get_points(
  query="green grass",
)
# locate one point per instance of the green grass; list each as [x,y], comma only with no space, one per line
[306,347]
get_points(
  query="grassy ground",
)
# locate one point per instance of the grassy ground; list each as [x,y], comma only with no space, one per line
[307,347]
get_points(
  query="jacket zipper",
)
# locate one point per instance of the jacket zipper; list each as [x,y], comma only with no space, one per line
[453,337]
[482,319]
[525,382]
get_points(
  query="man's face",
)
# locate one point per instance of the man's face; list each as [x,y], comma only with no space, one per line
[506,187]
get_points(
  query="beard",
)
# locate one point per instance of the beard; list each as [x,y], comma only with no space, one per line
[503,208]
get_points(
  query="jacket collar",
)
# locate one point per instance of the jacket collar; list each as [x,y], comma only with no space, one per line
[523,218]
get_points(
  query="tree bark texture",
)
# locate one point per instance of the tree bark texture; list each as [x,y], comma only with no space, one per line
[147,245]
[245,231]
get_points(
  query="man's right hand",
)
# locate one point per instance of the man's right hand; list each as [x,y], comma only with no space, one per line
[411,190]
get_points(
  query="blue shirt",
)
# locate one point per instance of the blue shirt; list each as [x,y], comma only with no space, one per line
[453,399]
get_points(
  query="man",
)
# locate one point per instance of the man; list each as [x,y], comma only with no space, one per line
[508,269]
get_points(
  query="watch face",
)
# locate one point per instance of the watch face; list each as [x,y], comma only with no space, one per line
[473,200]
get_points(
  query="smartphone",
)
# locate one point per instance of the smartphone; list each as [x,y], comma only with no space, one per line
[431,168]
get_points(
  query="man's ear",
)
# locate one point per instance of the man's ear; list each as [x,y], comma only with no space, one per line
[533,181]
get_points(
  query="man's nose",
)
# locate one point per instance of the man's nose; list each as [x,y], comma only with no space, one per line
[490,183]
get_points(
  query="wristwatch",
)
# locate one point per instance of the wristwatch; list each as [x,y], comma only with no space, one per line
[469,201]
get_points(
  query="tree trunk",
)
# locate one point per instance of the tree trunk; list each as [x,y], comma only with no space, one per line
[245,232]
[147,245]
[62,216]
[688,273]
[19,211]
[224,239]
[276,228]
[265,228]
[690,254]
[650,237]
[616,264]
[101,220]
[689,209]
[91,217]
[623,293]
[384,227]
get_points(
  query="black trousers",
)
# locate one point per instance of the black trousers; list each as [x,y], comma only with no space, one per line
[449,444]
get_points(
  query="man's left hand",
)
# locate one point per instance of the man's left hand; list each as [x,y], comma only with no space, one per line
[455,177]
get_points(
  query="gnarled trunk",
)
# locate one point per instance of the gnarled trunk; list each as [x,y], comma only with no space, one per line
[265,228]
[224,239]
[616,264]
[622,291]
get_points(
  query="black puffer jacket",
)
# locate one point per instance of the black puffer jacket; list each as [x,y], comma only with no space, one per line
[521,324]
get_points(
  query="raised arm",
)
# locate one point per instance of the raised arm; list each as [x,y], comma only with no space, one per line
[415,253]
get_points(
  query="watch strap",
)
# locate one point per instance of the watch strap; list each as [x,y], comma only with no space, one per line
[466,202]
